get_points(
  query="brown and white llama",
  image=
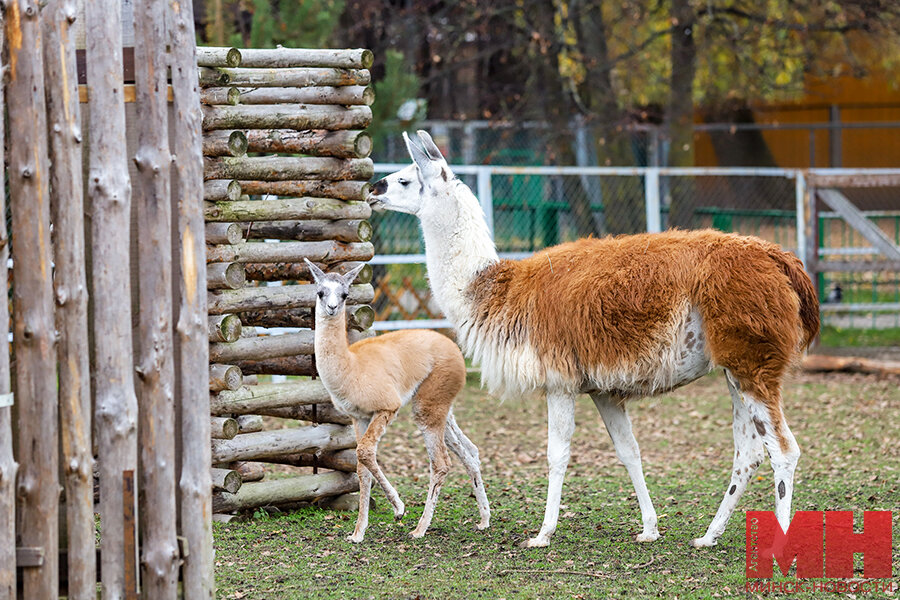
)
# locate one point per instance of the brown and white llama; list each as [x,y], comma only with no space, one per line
[618,318]
[372,379]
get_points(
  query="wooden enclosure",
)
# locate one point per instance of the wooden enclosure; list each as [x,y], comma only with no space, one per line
[286,166]
[107,396]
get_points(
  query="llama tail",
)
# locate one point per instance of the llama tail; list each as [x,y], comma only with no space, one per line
[803,287]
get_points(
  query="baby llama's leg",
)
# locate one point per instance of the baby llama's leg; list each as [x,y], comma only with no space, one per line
[365,488]
[366,450]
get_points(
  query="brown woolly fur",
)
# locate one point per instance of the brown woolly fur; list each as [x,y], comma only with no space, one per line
[611,304]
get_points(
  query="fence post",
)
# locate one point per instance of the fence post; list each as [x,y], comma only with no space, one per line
[651,199]
[485,197]
[800,198]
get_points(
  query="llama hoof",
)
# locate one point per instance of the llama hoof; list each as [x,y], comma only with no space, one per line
[399,512]
[416,534]
[535,542]
[483,525]
[356,539]
[703,542]
[647,537]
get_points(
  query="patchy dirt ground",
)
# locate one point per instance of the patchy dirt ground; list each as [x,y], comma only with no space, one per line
[847,427]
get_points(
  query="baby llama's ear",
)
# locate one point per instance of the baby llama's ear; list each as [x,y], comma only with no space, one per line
[417,154]
[317,273]
[352,273]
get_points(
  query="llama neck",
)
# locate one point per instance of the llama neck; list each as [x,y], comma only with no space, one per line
[457,246]
[332,349]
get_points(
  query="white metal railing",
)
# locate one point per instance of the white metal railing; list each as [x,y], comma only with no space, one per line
[652,207]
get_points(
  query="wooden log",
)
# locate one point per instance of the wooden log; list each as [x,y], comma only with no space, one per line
[220,276]
[250,423]
[110,192]
[250,400]
[223,428]
[324,413]
[300,272]
[156,368]
[265,444]
[250,471]
[339,190]
[224,233]
[267,298]
[347,143]
[224,328]
[275,168]
[226,480]
[266,347]
[359,318]
[8,466]
[347,95]
[225,377]
[285,116]
[195,485]
[225,143]
[279,58]
[339,460]
[209,56]
[251,380]
[286,209]
[343,230]
[219,190]
[850,364]
[248,332]
[303,488]
[70,285]
[325,252]
[287,77]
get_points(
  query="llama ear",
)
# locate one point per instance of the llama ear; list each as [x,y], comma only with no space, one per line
[352,273]
[417,154]
[317,273]
[431,148]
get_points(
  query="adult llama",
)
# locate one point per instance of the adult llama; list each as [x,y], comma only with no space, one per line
[618,318]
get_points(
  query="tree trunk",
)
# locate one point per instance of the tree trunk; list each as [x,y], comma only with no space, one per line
[195,485]
[286,116]
[8,466]
[281,58]
[299,271]
[323,252]
[345,230]
[285,209]
[225,143]
[208,56]
[266,444]
[283,77]
[220,276]
[359,318]
[324,413]
[680,114]
[340,460]
[156,369]
[276,168]
[226,480]
[224,328]
[250,423]
[219,190]
[224,233]
[266,347]
[225,377]
[70,282]
[347,95]
[286,296]
[304,488]
[223,428]
[250,471]
[340,190]
[251,400]
[346,143]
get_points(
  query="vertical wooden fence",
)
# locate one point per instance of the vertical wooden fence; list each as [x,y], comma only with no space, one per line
[301,115]
[122,386]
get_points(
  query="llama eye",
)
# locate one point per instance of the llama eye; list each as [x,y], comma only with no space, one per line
[344,296]
[403,182]
[321,294]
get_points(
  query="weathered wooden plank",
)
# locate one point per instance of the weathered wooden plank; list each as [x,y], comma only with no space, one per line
[280,209]
[858,221]
[276,168]
[263,444]
[249,400]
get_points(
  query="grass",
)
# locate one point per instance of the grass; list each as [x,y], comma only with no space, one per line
[846,426]
[840,337]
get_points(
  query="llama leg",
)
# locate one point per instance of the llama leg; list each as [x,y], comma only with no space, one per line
[560,427]
[366,450]
[467,452]
[784,453]
[615,417]
[365,489]
[440,466]
[748,454]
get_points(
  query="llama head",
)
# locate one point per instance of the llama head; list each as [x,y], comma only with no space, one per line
[413,188]
[332,289]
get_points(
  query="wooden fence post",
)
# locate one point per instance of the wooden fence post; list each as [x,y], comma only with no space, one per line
[195,484]
[110,191]
[34,330]
[156,375]
[8,466]
[70,283]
